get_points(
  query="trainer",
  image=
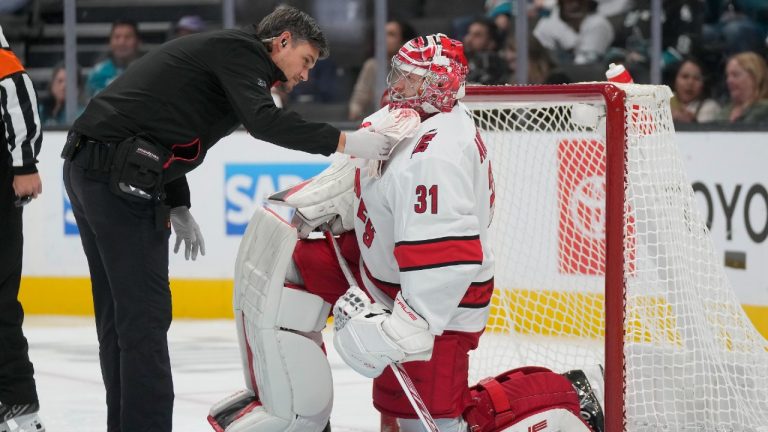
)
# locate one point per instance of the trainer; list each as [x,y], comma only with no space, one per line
[126,158]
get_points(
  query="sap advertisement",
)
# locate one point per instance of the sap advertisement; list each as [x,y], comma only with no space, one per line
[726,170]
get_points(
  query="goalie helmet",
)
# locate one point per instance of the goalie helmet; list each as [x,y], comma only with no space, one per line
[428,75]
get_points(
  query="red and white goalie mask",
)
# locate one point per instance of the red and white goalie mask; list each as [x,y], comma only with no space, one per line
[428,75]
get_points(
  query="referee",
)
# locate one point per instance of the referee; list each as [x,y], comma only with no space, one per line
[20,138]
[126,160]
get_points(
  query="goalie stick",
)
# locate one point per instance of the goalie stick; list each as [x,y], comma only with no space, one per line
[402,376]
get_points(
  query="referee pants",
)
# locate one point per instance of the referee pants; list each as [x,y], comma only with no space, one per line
[128,262]
[17,385]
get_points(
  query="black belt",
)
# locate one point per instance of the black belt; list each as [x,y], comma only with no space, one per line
[93,156]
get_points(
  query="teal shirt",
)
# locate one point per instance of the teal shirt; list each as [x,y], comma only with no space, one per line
[60,119]
[101,75]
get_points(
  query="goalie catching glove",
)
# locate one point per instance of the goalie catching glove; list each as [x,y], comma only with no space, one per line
[376,141]
[369,337]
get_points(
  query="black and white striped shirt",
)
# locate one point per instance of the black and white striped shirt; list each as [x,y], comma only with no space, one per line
[20,129]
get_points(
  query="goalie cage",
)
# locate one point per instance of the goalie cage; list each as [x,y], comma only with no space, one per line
[602,257]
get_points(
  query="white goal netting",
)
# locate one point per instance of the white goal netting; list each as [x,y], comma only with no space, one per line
[692,361]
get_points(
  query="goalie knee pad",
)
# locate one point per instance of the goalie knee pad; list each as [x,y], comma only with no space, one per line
[524,399]
[287,371]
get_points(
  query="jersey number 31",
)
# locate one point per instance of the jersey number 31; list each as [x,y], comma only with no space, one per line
[422,205]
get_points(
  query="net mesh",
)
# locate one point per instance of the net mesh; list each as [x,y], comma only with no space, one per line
[693,360]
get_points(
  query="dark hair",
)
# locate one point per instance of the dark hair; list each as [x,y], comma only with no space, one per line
[49,102]
[407,32]
[490,26]
[61,65]
[125,22]
[299,24]
[705,78]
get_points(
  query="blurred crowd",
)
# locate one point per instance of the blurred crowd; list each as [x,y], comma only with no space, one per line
[713,53]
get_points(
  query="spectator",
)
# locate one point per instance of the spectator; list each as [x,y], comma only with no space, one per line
[575,32]
[481,44]
[500,12]
[363,100]
[53,107]
[188,24]
[123,49]
[541,68]
[747,81]
[690,103]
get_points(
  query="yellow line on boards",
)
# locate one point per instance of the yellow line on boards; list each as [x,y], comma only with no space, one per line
[212,298]
[192,298]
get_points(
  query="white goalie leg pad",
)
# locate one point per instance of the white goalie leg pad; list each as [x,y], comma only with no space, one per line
[290,371]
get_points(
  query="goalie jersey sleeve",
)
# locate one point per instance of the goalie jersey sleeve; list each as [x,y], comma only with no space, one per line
[429,212]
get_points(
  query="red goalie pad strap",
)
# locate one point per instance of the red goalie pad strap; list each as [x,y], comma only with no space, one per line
[527,391]
[496,392]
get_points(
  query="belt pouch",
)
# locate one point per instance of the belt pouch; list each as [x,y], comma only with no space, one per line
[137,169]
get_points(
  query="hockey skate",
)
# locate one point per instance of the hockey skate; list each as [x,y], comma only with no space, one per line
[20,418]
[588,383]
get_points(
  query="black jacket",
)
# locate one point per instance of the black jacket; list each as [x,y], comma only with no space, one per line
[191,92]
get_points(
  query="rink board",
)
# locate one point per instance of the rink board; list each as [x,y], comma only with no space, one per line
[240,172]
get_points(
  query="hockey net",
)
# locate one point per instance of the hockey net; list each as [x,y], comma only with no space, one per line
[602,257]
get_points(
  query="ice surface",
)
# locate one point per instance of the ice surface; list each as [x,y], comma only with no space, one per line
[206,368]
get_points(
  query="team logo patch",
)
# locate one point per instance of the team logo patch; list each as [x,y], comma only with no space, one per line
[424,142]
[261,83]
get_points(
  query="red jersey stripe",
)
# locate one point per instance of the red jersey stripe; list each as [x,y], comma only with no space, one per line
[478,294]
[442,252]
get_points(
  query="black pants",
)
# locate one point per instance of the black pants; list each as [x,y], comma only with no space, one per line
[128,261]
[17,385]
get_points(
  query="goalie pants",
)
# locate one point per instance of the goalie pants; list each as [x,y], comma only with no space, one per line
[442,382]
[128,262]
[17,385]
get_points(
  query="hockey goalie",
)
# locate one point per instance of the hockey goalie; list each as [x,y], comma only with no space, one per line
[414,230]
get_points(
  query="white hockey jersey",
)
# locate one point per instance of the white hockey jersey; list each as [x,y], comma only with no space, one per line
[422,226]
